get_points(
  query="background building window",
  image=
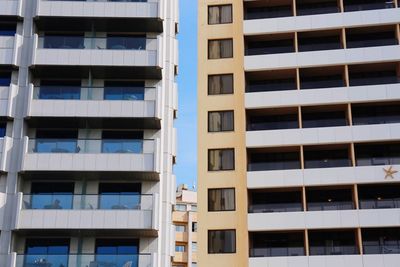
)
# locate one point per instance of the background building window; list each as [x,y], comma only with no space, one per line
[221,241]
[220,49]
[3,126]
[220,121]
[221,199]
[220,14]
[220,84]
[180,207]
[194,227]
[193,207]
[221,159]
[194,247]
[180,248]
[180,228]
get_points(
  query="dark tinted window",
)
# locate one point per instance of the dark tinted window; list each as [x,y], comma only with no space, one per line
[220,121]
[220,49]
[5,78]
[221,199]
[221,241]
[220,84]
[221,159]
[3,126]
[221,14]
[124,90]
[8,29]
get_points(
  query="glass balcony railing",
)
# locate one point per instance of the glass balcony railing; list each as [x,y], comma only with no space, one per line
[367,5]
[277,252]
[90,93]
[390,203]
[326,163]
[337,205]
[382,249]
[84,260]
[88,146]
[275,207]
[101,43]
[64,201]
[333,249]
[269,166]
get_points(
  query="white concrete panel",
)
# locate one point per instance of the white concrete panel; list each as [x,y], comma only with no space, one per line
[322,58]
[324,176]
[321,22]
[98,9]
[321,136]
[141,58]
[11,8]
[355,94]
[84,219]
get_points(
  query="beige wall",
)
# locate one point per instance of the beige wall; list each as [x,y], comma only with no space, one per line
[222,179]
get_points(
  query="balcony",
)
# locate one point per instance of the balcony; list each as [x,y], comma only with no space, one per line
[108,103]
[8,49]
[7,98]
[277,244]
[91,155]
[107,211]
[77,50]
[85,260]
[12,8]
[361,5]
[275,201]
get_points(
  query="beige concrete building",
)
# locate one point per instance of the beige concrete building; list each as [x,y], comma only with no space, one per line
[184,218]
[299,133]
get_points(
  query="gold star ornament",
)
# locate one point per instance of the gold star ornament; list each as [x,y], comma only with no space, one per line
[389,172]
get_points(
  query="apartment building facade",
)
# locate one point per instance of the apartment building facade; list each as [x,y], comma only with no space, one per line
[88,98]
[299,134]
[184,218]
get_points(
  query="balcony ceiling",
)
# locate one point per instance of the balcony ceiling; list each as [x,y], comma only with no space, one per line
[99,24]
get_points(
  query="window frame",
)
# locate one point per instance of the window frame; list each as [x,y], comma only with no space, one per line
[221,210]
[220,41]
[221,112]
[219,18]
[209,92]
[221,230]
[221,169]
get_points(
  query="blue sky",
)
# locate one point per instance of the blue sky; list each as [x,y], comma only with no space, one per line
[186,169]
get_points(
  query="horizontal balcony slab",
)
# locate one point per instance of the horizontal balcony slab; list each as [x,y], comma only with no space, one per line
[98,9]
[333,219]
[322,58]
[387,260]
[5,146]
[309,97]
[12,8]
[84,213]
[321,21]
[323,135]
[93,105]
[87,155]
[321,176]
[8,49]
[7,94]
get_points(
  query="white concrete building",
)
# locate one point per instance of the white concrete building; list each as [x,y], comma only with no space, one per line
[88,98]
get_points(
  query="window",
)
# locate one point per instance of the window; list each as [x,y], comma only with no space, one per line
[221,199]
[194,227]
[56,195]
[3,127]
[220,14]
[56,141]
[122,142]
[8,29]
[220,49]
[118,196]
[221,241]
[180,248]
[220,84]
[180,207]
[126,42]
[117,90]
[221,159]
[53,252]
[194,264]
[180,228]
[117,252]
[193,207]
[220,121]
[5,78]
[52,89]
[194,247]
[64,41]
